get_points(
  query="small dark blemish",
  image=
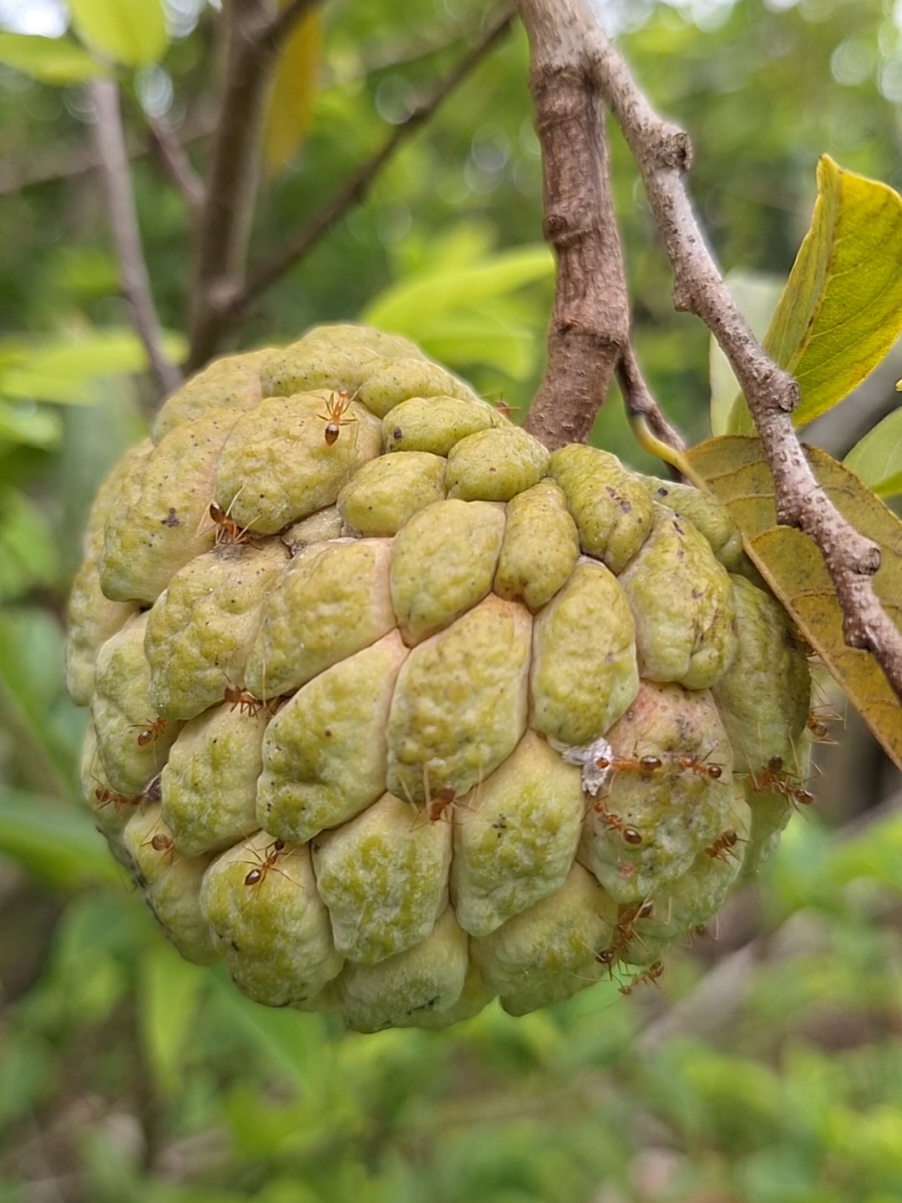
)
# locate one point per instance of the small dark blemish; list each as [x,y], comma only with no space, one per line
[171,519]
[397,434]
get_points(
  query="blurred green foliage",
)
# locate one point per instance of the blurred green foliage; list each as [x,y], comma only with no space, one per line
[769,1068]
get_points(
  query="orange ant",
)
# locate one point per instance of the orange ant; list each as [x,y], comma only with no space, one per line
[775,779]
[504,408]
[161,842]
[106,796]
[270,855]
[817,725]
[701,768]
[152,732]
[646,765]
[243,700]
[615,822]
[437,806]
[725,843]
[228,532]
[650,975]
[336,408]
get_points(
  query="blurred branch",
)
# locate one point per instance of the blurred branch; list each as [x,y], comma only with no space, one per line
[255,35]
[640,404]
[135,282]
[574,64]
[176,163]
[590,324]
[356,187]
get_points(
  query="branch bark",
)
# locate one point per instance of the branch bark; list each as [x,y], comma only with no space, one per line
[358,185]
[255,33]
[567,33]
[176,164]
[590,324]
[135,281]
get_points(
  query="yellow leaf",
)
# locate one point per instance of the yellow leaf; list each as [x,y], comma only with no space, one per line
[131,32]
[733,469]
[293,94]
[841,310]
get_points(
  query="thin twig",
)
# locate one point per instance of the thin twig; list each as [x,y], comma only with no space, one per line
[640,403]
[590,325]
[176,163]
[135,281]
[354,190]
[255,34]
[662,152]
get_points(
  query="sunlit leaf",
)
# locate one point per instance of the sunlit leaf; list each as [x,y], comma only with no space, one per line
[757,295]
[30,426]
[877,459]
[63,369]
[28,554]
[131,32]
[169,994]
[51,60]
[294,93]
[734,469]
[841,310]
[54,840]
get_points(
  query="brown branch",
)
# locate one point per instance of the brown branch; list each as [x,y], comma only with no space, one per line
[176,163]
[135,282]
[662,152]
[255,34]
[590,324]
[355,189]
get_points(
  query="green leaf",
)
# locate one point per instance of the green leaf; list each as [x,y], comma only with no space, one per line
[131,32]
[877,459]
[28,554]
[756,295]
[735,471]
[51,60]
[169,994]
[29,426]
[468,314]
[841,310]
[63,370]
[54,840]
[293,94]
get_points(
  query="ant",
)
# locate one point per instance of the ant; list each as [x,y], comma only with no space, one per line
[650,975]
[105,796]
[243,700]
[437,806]
[624,933]
[270,855]
[817,725]
[228,532]
[701,768]
[161,842]
[724,843]
[615,822]
[152,732]
[775,779]
[504,408]
[336,408]
[646,765]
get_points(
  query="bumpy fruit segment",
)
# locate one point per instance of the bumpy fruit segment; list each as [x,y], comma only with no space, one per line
[396,713]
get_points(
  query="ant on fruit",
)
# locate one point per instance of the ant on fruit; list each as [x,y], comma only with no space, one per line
[817,725]
[646,765]
[228,532]
[701,768]
[106,797]
[336,407]
[725,843]
[651,975]
[775,779]
[268,861]
[163,843]
[243,700]
[152,732]
[616,823]
[624,932]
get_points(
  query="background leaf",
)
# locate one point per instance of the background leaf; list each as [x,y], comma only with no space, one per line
[841,310]
[877,459]
[734,470]
[51,60]
[294,93]
[756,294]
[54,840]
[131,32]
[170,992]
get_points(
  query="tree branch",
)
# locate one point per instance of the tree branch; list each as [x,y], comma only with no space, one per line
[176,163]
[357,186]
[581,50]
[255,34]
[590,323]
[135,282]
[640,404]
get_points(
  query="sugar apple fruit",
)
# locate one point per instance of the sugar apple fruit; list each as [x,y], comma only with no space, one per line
[395,712]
